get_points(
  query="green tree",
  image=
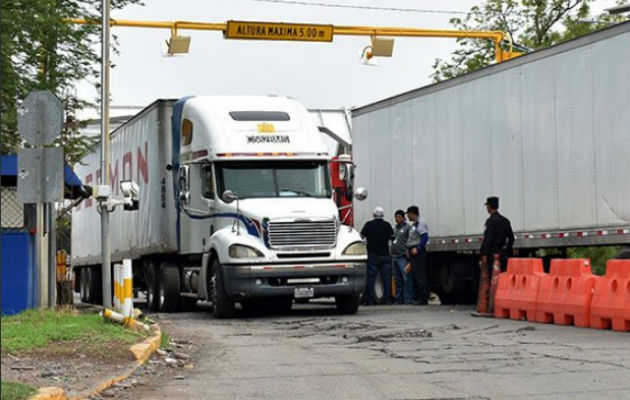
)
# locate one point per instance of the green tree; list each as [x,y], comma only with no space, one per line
[40,51]
[534,24]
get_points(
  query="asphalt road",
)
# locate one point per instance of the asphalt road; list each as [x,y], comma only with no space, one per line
[385,352]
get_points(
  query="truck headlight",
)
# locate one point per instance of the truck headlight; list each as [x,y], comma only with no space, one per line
[242,251]
[355,249]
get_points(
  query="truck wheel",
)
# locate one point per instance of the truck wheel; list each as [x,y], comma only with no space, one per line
[348,304]
[624,254]
[379,288]
[168,287]
[90,281]
[222,305]
[153,292]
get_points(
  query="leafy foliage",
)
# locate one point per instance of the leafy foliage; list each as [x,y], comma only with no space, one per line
[534,24]
[42,51]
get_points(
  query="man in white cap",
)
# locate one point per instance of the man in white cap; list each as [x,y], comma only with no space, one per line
[378,233]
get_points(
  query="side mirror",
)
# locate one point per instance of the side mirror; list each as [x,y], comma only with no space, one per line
[131,194]
[360,193]
[228,196]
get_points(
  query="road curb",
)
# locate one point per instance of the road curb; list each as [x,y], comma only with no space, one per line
[141,351]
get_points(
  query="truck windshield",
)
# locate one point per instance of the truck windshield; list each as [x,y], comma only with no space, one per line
[275,179]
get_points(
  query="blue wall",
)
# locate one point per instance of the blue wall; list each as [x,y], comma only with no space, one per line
[18,268]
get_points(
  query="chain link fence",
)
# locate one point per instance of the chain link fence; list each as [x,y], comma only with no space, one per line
[12,209]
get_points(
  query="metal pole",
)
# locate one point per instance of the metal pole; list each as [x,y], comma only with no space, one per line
[105,157]
[52,256]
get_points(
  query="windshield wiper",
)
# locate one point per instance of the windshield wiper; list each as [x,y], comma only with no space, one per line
[298,192]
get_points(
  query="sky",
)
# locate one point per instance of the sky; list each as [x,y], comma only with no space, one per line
[319,75]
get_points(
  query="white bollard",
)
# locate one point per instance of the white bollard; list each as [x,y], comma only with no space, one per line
[116,300]
[127,297]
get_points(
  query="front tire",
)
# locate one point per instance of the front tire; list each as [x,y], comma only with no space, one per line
[348,304]
[222,305]
[169,287]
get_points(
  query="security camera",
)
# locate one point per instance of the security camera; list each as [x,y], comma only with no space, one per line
[131,194]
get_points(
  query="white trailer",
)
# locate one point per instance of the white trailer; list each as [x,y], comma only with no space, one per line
[547,132]
[235,205]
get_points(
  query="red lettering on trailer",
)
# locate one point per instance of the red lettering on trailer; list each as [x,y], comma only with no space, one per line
[143,168]
[113,177]
[127,160]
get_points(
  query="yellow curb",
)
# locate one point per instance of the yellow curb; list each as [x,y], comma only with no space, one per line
[141,351]
[49,393]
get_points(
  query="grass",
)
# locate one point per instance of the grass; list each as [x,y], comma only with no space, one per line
[164,340]
[15,391]
[39,330]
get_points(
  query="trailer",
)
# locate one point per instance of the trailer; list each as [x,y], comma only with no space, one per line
[547,132]
[235,206]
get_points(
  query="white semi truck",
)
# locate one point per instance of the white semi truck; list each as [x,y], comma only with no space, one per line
[235,206]
[547,132]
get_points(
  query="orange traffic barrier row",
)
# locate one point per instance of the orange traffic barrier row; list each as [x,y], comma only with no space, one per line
[565,294]
[610,307]
[518,289]
[569,295]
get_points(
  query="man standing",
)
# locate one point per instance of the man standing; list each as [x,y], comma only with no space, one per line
[498,240]
[404,280]
[498,237]
[378,233]
[418,238]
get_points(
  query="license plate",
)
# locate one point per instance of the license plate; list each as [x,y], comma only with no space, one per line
[304,292]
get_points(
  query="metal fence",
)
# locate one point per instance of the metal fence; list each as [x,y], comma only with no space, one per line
[12,209]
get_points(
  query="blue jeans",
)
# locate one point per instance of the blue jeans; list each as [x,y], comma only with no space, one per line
[404,281]
[378,264]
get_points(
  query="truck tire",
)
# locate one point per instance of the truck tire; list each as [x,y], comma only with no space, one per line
[89,286]
[348,304]
[168,287]
[624,254]
[222,305]
[151,280]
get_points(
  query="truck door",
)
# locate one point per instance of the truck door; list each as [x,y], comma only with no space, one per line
[198,204]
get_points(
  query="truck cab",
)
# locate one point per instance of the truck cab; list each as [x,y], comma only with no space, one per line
[256,219]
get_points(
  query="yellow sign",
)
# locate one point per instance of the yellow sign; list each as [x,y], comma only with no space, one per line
[278,31]
[266,128]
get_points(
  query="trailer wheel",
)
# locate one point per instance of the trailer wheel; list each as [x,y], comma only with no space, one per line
[151,279]
[222,305]
[348,304]
[89,286]
[624,254]
[169,287]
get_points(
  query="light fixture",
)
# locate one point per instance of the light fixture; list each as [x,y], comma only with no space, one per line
[382,47]
[177,45]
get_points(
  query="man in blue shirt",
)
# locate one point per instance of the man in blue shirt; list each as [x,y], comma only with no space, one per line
[418,238]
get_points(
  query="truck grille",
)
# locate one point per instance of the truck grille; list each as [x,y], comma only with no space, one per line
[302,234]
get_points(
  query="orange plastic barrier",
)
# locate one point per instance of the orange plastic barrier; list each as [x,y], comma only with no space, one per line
[518,289]
[564,297]
[610,306]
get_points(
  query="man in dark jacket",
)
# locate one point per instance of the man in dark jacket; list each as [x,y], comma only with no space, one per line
[404,279]
[498,237]
[416,244]
[378,233]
